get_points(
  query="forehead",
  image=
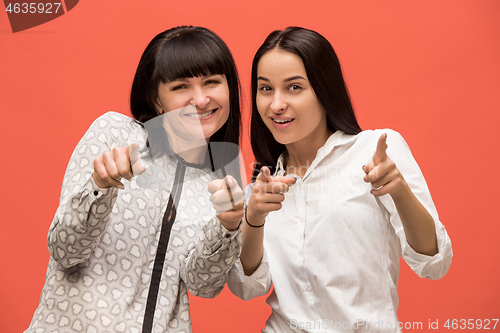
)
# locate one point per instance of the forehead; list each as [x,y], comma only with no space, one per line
[279,65]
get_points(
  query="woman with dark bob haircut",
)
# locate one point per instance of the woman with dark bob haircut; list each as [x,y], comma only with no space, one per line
[124,254]
[332,208]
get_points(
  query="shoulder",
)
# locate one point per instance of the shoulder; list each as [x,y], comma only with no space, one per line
[375,134]
[397,148]
[114,126]
[112,118]
[371,137]
[366,143]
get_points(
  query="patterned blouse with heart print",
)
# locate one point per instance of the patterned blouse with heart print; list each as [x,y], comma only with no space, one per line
[122,260]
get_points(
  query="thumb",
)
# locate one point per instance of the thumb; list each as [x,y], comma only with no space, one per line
[380,153]
[135,163]
[230,182]
[285,179]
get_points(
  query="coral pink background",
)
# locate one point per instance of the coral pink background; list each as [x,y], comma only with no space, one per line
[429,69]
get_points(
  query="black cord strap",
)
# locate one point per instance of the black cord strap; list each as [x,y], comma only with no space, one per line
[253,226]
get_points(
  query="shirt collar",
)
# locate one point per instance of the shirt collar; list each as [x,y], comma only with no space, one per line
[338,138]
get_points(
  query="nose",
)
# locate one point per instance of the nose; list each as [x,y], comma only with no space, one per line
[278,105]
[200,98]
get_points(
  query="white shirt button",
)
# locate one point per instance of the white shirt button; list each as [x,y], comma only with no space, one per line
[307,287]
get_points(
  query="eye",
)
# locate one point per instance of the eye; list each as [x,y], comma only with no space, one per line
[212,82]
[265,88]
[178,87]
[294,87]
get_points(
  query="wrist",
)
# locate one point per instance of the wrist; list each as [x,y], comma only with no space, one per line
[402,194]
[97,181]
[232,225]
[256,222]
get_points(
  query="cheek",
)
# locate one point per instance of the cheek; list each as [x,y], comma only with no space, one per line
[225,104]
[173,102]
[224,116]
[261,104]
[222,99]
[221,96]
[314,109]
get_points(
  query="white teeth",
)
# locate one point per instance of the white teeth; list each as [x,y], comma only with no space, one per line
[200,115]
[282,121]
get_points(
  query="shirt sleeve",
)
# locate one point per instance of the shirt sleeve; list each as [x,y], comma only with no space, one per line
[257,284]
[431,267]
[205,270]
[84,208]
[248,287]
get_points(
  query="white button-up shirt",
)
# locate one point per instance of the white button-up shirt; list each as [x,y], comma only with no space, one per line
[332,252]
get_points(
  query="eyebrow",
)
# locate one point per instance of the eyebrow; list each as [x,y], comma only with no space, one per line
[296,77]
[181,79]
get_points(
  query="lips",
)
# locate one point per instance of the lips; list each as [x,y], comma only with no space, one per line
[201,115]
[281,122]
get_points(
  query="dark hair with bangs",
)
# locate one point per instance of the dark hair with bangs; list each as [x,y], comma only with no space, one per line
[183,52]
[325,75]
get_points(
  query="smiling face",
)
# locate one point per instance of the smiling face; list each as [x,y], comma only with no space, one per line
[287,103]
[209,94]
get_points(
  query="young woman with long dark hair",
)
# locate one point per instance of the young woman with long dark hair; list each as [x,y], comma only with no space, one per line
[332,208]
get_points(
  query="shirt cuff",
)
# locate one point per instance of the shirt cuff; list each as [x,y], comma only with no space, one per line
[431,267]
[251,286]
[230,233]
[222,237]
[95,191]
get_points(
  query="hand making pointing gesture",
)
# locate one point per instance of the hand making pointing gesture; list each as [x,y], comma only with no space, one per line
[385,178]
[267,196]
[382,172]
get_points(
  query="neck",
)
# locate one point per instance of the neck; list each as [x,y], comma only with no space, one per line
[190,151]
[302,153]
[194,156]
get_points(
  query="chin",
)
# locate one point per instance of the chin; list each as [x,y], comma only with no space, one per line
[209,132]
[283,141]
